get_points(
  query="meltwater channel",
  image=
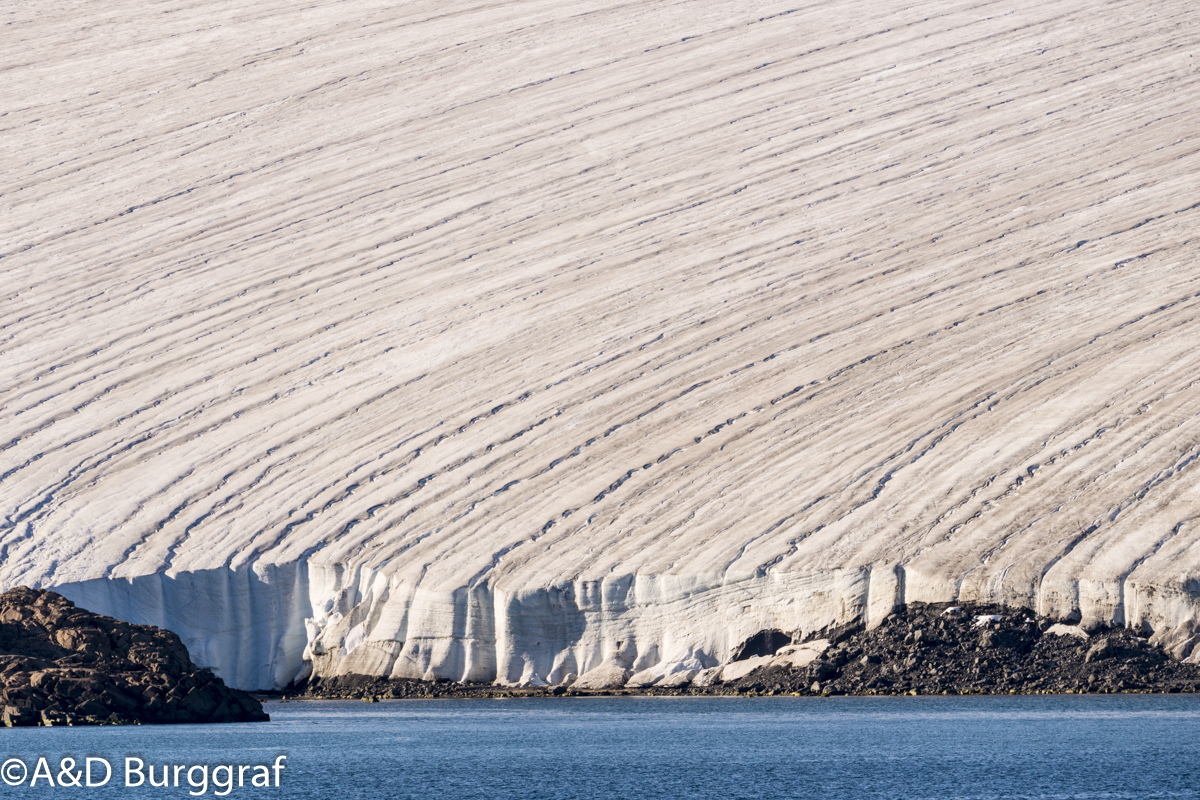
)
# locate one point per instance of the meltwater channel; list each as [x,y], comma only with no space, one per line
[1133,746]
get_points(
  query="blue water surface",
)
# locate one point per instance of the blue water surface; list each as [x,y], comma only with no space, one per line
[1139,746]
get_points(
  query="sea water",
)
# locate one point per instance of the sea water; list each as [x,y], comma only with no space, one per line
[1139,746]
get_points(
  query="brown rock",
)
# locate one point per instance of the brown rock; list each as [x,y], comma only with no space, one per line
[63,665]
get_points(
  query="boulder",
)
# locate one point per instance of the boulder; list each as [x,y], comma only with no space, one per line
[1100,651]
[609,675]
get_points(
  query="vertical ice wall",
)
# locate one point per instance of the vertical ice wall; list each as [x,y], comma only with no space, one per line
[246,624]
[262,628]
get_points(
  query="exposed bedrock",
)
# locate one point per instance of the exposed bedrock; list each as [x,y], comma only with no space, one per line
[63,665]
[962,649]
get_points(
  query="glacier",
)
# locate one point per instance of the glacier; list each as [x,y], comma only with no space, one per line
[542,343]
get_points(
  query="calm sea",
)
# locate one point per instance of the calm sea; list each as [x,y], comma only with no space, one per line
[904,747]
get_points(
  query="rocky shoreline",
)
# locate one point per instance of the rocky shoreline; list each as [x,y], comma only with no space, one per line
[62,665]
[924,649]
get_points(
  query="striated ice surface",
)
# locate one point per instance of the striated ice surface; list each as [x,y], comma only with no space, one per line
[539,342]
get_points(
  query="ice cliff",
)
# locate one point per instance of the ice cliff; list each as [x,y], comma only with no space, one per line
[540,341]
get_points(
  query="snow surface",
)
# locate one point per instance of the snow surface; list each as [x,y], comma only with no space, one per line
[518,341]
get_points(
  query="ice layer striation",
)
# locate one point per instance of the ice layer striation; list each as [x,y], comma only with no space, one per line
[539,341]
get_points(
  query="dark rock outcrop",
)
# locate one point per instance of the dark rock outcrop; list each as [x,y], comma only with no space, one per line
[62,665]
[978,650]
